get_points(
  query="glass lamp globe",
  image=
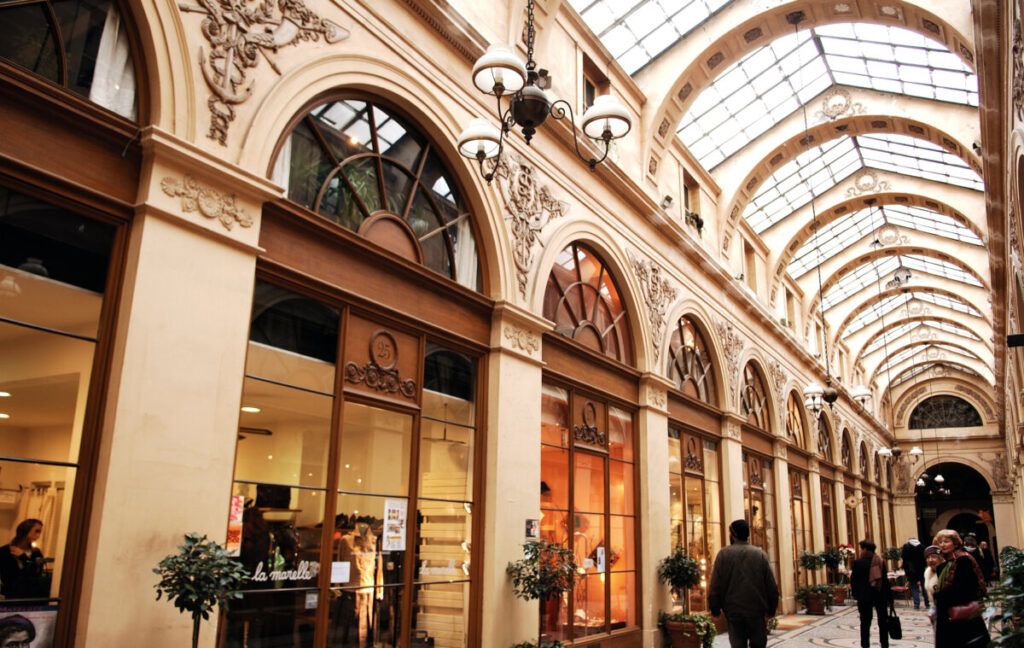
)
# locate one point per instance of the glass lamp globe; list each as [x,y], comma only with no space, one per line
[479,138]
[606,119]
[499,71]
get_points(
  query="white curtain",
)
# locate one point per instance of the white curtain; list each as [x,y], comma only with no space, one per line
[465,254]
[281,174]
[113,81]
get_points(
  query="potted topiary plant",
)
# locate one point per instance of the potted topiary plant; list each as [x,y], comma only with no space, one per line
[811,561]
[681,572]
[833,559]
[198,577]
[688,630]
[816,598]
[546,572]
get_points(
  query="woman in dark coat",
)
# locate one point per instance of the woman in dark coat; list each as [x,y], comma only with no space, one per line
[960,583]
[869,583]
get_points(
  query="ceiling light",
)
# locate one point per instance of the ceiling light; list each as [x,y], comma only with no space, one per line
[939,479]
[4,416]
[500,72]
[250,409]
[5,394]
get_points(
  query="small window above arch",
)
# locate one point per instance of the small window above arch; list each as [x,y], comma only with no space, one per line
[586,305]
[944,412]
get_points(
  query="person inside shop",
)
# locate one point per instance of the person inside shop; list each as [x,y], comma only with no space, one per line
[16,632]
[21,564]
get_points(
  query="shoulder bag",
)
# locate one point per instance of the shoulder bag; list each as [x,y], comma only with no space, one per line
[893,624]
[964,612]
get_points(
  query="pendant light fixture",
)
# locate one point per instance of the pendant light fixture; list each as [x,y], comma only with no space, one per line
[501,73]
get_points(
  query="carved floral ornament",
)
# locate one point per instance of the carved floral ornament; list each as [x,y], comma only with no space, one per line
[658,294]
[529,207]
[656,397]
[241,33]
[522,339]
[778,375]
[1018,70]
[208,202]
[380,373]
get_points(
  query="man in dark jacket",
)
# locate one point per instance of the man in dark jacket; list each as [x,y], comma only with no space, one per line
[743,586]
[912,556]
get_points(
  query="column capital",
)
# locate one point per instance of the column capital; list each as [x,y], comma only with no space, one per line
[654,391]
[517,331]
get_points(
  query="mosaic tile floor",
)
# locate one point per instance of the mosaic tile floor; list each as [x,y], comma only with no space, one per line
[841,629]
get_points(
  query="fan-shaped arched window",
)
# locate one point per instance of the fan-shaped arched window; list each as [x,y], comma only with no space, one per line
[795,421]
[78,44]
[583,302]
[847,452]
[825,441]
[878,470]
[944,412]
[360,165]
[753,403]
[690,363]
[862,459]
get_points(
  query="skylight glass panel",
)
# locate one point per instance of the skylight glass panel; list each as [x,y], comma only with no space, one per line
[855,281]
[952,328]
[635,31]
[948,302]
[873,313]
[957,350]
[939,268]
[941,366]
[791,187]
[831,240]
[899,61]
[889,337]
[926,220]
[917,158]
[754,93]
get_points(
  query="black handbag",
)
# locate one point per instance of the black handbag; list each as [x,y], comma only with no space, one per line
[893,624]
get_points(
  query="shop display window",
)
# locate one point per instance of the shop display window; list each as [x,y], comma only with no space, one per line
[54,267]
[694,505]
[800,510]
[590,509]
[378,496]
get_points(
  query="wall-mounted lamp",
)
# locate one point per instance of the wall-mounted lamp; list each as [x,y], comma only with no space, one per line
[666,202]
[740,277]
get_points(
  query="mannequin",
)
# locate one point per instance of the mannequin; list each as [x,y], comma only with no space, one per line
[359,548]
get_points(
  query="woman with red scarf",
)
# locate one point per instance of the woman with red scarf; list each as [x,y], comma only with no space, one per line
[958,595]
[870,586]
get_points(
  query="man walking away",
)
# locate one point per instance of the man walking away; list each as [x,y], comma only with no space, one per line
[912,556]
[743,586]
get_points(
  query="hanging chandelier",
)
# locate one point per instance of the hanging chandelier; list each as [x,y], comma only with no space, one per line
[501,73]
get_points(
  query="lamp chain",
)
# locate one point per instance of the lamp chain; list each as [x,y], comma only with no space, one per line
[796,18]
[530,33]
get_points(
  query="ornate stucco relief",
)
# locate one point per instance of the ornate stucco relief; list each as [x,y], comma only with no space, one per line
[1018,70]
[732,430]
[838,103]
[779,377]
[656,397]
[732,344]
[978,398]
[241,33]
[522,339]
[891,235]
[529,206]
[1000,471]
[208,202]
[658,294]
[867,181]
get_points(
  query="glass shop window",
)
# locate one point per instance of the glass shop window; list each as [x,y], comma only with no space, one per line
[588,504]
[53,275]
[398,555]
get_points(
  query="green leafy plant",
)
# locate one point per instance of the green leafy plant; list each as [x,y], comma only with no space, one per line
[1005,603]
[703,625]
[832,557]
[198,577]
[546,572]
[773,623]
[892,553]
[679,571]
[811,561]
[803,592]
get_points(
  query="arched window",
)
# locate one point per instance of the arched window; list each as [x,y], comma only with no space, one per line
[76,44]
[583,301]
[862,459]
[362,166]
[825,441]
[753,403]
[944,412]
[690,363]
[795,422]
[878,470]
[847,452]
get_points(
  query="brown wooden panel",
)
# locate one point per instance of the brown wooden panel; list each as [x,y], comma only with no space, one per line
[50,132]
[796,459]
[625,639]
[566,358]
[381,362]
[754,439]
[369,275]
[695,414]
[826,471]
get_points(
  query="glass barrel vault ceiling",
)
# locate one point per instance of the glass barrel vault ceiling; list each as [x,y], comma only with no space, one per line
[868,274]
